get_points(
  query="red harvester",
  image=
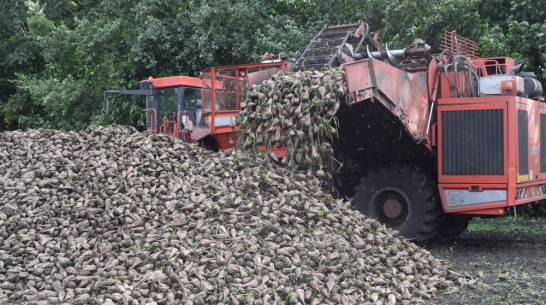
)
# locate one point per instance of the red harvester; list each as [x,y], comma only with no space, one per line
[425,141]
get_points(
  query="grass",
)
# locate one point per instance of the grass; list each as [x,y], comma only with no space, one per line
[507,224]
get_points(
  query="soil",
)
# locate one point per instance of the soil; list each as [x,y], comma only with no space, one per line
[512,265]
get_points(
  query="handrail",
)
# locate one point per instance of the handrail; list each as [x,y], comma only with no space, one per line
[153,120]
[495,64]
[165,126]
[176,127]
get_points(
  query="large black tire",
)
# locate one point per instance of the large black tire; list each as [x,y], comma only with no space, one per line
[452,226]
[403,198]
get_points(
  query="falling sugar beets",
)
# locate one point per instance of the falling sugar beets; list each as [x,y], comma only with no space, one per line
[114,216]
[296,111]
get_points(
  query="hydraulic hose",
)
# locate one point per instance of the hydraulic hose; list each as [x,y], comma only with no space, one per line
[477,78]
[459,94]
[468,76]
[473,77]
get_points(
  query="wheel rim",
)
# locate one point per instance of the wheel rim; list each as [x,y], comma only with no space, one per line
[391,207]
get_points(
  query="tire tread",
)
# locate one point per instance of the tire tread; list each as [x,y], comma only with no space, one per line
[423,183]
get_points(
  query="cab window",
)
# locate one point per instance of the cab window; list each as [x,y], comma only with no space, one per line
[192,98]
[168,103]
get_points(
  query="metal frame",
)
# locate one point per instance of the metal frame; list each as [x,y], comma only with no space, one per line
[153,120]
[456,44]
[325,48]
[213,81]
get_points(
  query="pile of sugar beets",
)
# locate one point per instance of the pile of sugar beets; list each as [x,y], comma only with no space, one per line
[296,111]
[115,216]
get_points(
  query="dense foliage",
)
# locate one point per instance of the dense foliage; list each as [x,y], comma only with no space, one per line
[57,57]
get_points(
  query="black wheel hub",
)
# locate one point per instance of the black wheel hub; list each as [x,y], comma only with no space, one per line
[390,206]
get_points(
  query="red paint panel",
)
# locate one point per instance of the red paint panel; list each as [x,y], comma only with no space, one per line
[404,94]
[433,80]
[541,110]
[174,81]
[223,140]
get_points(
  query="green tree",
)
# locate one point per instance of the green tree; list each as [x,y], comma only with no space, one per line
[519,31]
[57,57]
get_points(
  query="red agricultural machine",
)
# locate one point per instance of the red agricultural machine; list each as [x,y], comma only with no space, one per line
[173,107]
[200,110]
[425,141]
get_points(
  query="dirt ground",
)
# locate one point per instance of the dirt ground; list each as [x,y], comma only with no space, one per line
[513,264]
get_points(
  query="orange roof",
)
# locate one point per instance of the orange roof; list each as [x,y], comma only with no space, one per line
[175,81]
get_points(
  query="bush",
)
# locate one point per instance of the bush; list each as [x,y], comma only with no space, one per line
[535,210]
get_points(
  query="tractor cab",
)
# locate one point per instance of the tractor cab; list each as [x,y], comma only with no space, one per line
[174,107]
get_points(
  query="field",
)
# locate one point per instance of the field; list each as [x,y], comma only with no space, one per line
[508,256]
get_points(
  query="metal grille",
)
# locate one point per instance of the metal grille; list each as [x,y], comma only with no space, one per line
[523,162]
[226,90]
[542,143]
[456,44]
[230,86]
[472,142]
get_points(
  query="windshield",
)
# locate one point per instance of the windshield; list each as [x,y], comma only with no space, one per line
[192,99]
[172,100]
[168,105]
